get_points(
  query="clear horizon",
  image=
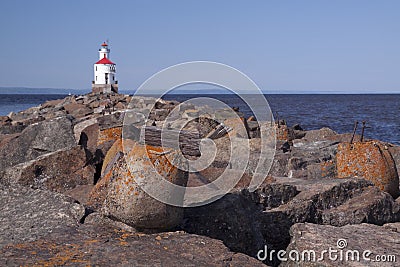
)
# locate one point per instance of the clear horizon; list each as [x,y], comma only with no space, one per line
[26,90]
[297,47]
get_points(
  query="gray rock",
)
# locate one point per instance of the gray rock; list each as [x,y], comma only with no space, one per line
[327,201]
[110,121]
[312,159]
[79,127]
[235,218]
[280,164]
[37,139]
[242,148]
[104,246]
[27,214]
[350,240]
[158,114]
[57,171]
[319,135]
[395,152]
[77,110]
[141,102]
[12,129]
[271,210]
[232,219]
[371,205]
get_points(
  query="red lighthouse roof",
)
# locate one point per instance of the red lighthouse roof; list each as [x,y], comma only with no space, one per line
[105,60]
[104,44]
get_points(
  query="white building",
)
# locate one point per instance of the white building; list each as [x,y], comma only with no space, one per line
[104,72]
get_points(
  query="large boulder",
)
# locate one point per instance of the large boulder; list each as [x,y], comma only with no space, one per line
[319,135]
[305,159]
[232,219]
[235,218]
[127,202]
[369,160]
[279,166]
[370,205]
[79,128]
[48,229]
[350,245]
[77,110]
[395,152]
[312,159]
[112,120]
[37,139]
[329,201]
[272,209]
[57,171]
[234,153]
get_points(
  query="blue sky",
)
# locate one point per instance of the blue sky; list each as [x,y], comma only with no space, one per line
[297,46]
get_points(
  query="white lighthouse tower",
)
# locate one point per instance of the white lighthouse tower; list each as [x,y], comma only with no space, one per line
[104,72]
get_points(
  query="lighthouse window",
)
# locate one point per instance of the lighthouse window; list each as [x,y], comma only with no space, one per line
[96,78]
[96,68]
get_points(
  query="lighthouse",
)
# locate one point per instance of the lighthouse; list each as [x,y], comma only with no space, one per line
[104,72]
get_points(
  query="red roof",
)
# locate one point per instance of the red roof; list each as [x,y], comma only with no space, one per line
[104,44]
[105,60]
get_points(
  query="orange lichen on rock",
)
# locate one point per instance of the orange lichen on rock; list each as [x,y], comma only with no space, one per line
[59,254]
[158,158]
[153,159]
[123,237]
[326,168]
[283,133]
[127,201]
[371,161]
[109,134]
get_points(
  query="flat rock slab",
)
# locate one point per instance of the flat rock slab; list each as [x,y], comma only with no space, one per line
[96,246]
[381,241]
[27,214]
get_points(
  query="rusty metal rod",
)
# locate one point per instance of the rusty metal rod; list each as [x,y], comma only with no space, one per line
[271,119]
[354,132]
[362,131]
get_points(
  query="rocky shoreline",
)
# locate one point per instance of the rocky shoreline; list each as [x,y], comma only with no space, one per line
[70,196]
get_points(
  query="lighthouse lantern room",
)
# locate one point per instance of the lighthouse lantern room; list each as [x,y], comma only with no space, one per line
[104,72]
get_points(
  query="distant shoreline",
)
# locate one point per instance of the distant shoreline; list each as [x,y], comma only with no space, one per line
[205,91]
[75,92]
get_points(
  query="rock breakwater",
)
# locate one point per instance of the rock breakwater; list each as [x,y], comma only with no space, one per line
[70,193]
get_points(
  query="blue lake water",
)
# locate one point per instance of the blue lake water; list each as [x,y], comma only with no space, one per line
[313,111]
[338,112]
[18,102]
